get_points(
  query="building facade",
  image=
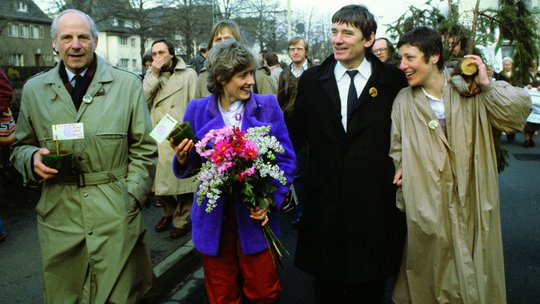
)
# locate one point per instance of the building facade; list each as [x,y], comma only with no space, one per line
[25,34]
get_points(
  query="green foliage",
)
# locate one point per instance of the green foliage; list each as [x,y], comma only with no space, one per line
[515,21]
[518,25]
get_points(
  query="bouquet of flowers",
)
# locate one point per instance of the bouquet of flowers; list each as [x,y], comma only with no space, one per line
[243,164]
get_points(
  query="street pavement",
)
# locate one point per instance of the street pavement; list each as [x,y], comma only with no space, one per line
[21,277]
[520,213]
[20,265]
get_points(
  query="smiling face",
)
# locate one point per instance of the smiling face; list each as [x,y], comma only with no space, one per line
[74,41]
[238,87]
[414,65]
[349,44]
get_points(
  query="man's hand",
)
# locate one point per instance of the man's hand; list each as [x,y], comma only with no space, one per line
[157,64]
[397,178]
[39,167]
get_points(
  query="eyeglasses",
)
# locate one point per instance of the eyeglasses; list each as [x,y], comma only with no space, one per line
[379,50]
[298,48]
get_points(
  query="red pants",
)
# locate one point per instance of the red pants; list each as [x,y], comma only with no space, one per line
[261,282]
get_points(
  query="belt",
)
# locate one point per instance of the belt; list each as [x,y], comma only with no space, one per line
[95,178]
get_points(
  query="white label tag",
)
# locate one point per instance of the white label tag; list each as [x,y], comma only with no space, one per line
[68,131]
[163,128]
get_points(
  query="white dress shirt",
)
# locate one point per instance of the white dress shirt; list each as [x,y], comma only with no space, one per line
[343,81]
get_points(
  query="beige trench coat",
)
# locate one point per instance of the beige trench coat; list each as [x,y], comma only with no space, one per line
[170,95]
[263,80]
[453,253]
[92,238]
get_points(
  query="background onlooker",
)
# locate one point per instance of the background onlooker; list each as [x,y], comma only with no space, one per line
[384,50]
[197,62]
[169,85]
[298,50]
[272,62]
[533,121]
[7,127]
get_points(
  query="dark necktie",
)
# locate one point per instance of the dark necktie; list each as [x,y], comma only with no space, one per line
[78,91]
[352,97]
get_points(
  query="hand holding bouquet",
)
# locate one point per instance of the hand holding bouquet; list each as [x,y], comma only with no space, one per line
[242,164]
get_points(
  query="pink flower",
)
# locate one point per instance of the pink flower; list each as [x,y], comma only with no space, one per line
[250,150]
[226,166]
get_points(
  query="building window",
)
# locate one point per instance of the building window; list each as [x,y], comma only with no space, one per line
[134,63]
[23,31]
[129,24]
[36,32]
[22,7]
[123,63]
[133,42]
[13,30]
[16,59]
[123,40]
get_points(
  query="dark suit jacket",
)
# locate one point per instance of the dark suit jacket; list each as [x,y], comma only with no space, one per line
[352,229]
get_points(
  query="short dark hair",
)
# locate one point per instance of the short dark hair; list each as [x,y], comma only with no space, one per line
[170,48]
[358,16]
[203,50]
[224,61]
[427,40]
[147,57]
[271,58]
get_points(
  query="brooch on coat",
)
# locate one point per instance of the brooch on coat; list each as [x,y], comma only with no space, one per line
[433,124]
[373,92]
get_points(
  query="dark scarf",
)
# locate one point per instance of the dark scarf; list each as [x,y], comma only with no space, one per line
[85,81]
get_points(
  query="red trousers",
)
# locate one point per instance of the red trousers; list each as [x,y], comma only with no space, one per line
[260,278]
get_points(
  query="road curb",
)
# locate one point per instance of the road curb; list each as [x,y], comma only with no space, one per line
[173,269]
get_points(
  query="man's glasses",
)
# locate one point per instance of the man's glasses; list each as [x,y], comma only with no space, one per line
[379,50]
[298,48]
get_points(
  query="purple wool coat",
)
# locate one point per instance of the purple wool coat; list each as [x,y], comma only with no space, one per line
[203,115]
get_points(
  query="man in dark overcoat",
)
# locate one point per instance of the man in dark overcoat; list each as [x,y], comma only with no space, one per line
[352,235]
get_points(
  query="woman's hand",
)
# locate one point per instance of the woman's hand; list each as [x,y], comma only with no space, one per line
[482,78]
[182,150]
[259,214]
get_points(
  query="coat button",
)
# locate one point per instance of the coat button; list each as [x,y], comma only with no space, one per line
[90,232]
[85,194]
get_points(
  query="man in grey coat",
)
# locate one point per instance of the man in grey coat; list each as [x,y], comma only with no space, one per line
[92,237]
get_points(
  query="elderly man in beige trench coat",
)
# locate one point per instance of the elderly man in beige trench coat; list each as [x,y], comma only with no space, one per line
[168,87]
[92,237]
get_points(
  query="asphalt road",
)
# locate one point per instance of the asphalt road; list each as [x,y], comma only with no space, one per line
[520,214]
[20,271]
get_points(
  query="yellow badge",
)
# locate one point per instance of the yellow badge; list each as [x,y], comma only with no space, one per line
[433,124]
[373,92]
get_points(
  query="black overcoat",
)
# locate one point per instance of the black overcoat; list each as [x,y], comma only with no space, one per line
[352,230]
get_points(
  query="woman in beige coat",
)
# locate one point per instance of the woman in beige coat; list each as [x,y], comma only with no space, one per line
[443,149]
[168,87]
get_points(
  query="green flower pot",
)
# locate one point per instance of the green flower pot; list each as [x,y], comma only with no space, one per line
[60,161]
[181,131]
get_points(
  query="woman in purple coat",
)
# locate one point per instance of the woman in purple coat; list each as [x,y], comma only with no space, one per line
[230,238]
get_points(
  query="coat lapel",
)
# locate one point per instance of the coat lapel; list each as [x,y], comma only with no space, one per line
[59,91]
[423,104]
[174,84]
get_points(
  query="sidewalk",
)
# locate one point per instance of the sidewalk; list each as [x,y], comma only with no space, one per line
[21,278]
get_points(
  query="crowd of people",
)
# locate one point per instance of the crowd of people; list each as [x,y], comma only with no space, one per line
[388,163]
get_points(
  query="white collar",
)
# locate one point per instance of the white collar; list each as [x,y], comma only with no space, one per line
[364,69]
[70,74]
